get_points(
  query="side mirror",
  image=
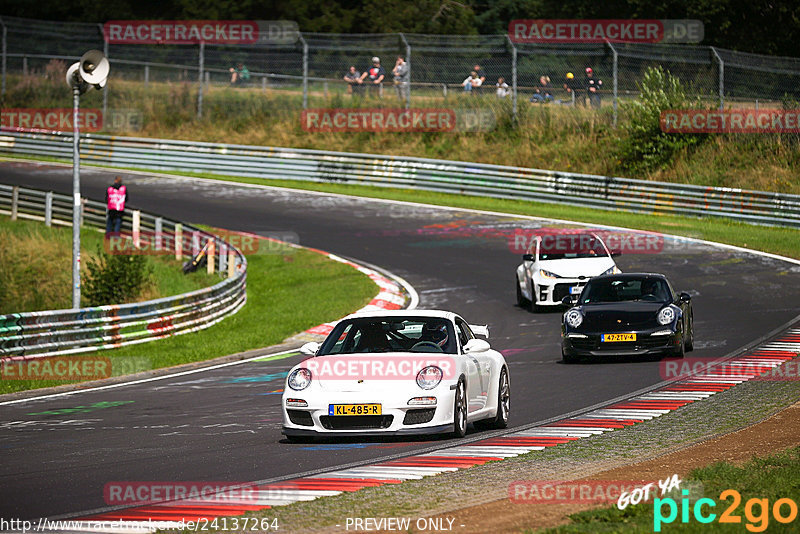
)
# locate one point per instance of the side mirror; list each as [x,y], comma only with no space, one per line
[527,257]
[567,301]
[476,345]
[310,348]
[685,297]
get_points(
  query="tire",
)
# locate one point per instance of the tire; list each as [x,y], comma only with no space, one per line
[460,411]
[522,302]
[568,358]
[503,401]
[681,352]
[690,328]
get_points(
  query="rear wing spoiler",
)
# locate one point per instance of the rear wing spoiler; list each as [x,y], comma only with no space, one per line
[480,330]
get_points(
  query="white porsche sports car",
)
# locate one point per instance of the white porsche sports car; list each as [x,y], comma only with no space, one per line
[397,372]
[559,265]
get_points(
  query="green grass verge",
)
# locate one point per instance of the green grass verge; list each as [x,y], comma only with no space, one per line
[286,294]
[763,479]
[36,272]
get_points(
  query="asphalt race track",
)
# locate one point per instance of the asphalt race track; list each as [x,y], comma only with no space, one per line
[224,424]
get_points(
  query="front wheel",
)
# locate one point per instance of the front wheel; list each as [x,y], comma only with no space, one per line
[503,401]
[568,358]
[460,411]
[690,329]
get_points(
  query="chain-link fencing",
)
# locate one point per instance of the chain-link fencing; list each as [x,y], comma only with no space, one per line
[438,72]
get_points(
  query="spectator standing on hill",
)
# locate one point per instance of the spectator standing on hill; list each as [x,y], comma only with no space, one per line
[116,196]
[353,79]
[374,76]
[593,86]
[239,75]
[400,73]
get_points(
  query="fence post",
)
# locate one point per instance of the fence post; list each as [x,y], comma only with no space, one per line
[513,78]
[146,75]
[178,241]
[444,91]
[263,83]
[616,78]
[223,256]
[325,88]
[159,225]
[136,224]
[408,76]
[48,208]
[200,80]
[212,245]
[24,65]
[14,202]
[231,264]
[721,78]
[5,55]
[208,80]
[305,71]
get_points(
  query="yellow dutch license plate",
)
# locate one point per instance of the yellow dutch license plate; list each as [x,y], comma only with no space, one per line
[354,409]
[610,338]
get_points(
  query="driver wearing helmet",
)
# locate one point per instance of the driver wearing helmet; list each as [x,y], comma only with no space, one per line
[437,333]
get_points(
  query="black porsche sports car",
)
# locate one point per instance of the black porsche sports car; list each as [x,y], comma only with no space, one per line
[631,314]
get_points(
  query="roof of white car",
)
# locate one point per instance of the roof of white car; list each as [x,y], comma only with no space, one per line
[405,313]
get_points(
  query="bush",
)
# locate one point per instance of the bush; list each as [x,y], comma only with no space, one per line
[643,146]
[116,279]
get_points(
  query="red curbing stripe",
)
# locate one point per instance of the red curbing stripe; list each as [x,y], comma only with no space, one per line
[596,420]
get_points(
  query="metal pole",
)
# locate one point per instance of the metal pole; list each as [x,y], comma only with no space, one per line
[48,208]
[616,79]
[305,71]
[105,92]
[76,200]
[200,80]
[513,78]
[5,55]
[146,75]
[408,76]
[721,78]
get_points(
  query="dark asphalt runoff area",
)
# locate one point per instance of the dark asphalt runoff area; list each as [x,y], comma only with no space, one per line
[223,425]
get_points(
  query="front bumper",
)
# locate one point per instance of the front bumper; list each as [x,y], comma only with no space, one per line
[589,344]
[396,417]
[550,292]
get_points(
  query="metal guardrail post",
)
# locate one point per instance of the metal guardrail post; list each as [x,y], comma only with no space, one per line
[146,75]
[5,55]
[305,70]
[721,77]
[178,241]
[159,228]
[513,78]
[48,208]
[14,202]
[200,80]
[223,256]
[615,75]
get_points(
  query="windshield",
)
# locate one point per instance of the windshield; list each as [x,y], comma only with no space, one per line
[568,246]
[390,334]
[619,290]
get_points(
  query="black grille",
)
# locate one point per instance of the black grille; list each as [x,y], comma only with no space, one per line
[355,422]
[644,342]
[417,417]
[300,417]
[562,290]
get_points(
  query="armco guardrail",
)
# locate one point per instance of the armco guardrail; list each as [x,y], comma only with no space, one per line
[38,334]
[496,181]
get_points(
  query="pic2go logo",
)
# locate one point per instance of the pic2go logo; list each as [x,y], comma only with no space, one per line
[756,511]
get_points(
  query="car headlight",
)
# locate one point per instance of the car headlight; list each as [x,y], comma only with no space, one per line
[547,274]
[429,377]
[613,270]
[574,318]
[299,379]
[666,315]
